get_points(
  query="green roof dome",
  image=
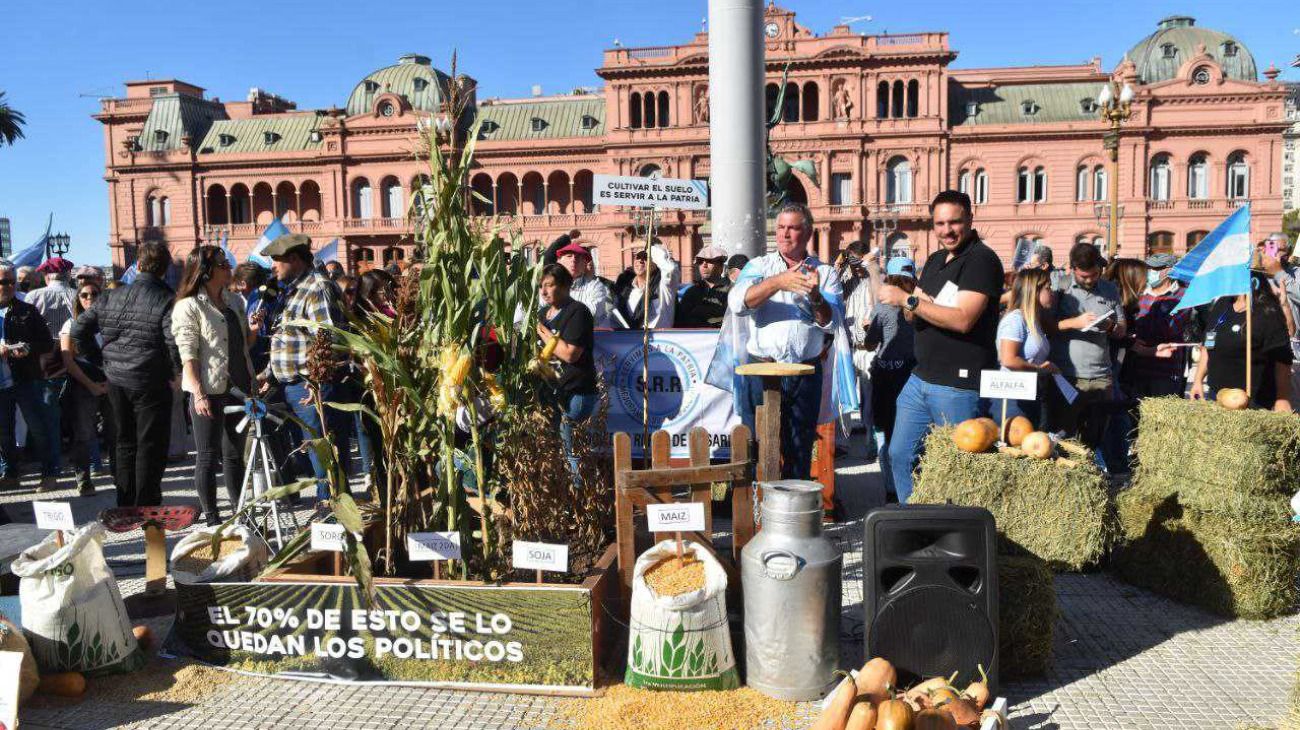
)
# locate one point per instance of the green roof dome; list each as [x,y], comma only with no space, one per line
[413,78]
[1161,54]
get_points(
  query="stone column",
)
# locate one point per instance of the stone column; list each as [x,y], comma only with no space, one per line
[736,134]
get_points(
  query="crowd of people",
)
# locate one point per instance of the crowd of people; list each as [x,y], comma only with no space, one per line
[104,371]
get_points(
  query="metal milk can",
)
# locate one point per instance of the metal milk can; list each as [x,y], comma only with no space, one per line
[790,574]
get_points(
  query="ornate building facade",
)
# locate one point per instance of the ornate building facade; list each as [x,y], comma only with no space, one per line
[886,119]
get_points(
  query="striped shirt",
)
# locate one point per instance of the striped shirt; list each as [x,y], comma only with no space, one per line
[311,297]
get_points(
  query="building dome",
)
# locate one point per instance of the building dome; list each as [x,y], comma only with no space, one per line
[413,77]
[1177,39]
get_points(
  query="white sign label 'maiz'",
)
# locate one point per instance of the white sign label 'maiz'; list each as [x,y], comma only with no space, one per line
[650,192]
[683,517]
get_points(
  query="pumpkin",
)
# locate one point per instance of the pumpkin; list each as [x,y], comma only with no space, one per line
[973,437]
[63,684]
[991,425]
[933,719]
[875,679]
[893,715]
[1037,445]
[1234,399]
[1017,429]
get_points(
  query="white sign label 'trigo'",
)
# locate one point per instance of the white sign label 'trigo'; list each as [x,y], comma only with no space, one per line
[682,517]
[54,515]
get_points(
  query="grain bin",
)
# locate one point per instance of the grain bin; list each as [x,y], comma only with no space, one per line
[790,575]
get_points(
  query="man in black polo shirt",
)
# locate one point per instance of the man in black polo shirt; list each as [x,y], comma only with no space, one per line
[955,311]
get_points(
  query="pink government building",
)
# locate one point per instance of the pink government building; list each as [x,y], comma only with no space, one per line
[886,119]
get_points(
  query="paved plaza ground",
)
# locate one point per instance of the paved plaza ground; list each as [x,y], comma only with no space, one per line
[1124,659]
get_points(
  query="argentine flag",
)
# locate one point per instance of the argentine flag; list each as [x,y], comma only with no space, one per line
[329,252]
[1219,266]
[272,232]
[225,246]
[34,254]
[128,276]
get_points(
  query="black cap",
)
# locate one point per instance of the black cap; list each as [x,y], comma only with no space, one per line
[737,261]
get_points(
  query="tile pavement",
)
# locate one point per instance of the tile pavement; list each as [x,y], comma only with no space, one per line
[1124,659]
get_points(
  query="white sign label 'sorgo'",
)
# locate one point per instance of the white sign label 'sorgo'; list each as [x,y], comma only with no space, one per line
[683,517]
[650,192]
[1008,384]
[541,556]
[54,515]
[433,545]
[326,537]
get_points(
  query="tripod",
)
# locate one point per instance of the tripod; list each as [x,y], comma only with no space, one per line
[258,474]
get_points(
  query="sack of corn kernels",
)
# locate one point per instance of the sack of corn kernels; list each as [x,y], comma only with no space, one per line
[679,638]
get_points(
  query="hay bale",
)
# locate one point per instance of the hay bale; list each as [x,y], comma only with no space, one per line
[1026,616]
[1059,514]
[1240,463]
[1225,565]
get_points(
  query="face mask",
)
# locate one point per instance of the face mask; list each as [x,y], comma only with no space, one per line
[1153,277]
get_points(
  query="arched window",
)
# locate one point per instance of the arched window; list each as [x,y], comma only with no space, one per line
[1195,237]
[1024,185]
[896,103]
[651,170]
[811,100]
[913,97]
[165,207]
[981,187]
[1198,177]
[240,204]
[634,110]
[152,211]
[392,201]
[963,182]
[363,204]
[1098,183]
[649,117]
[790,108]
[1238,176]
[770,92]
[1160,242]
[1159,184]
[1081,183]
[882,100]
[1040,185]
[663,108]
[898,187]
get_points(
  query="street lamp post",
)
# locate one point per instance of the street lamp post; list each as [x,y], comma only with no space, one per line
[57,245]
[1115,109]
[884,221]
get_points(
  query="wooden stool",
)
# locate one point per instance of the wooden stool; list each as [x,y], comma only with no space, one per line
[155,521]
[767,417]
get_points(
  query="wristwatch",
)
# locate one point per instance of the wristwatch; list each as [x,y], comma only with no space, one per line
[912,302]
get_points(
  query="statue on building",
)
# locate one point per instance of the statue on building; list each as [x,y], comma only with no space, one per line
[779,171]
[702,105]
[841,102]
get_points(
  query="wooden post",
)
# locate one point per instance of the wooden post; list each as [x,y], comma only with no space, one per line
[698,441]
[624,531]
[1250,394]
[742,495]
[58,539]
[823,469]
[539,577]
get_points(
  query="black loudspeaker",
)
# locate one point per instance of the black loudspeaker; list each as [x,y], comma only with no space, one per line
[930,591]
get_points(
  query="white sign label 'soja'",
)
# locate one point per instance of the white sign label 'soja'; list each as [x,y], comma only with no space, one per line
[541,556]
[650,192]
[1008,384]
[683,517]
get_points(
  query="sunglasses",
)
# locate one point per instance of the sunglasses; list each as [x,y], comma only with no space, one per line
[87,295]
[6,282]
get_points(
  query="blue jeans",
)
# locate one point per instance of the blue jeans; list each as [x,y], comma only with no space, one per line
[574,409]
[338,427]
[52,421]
[25,396]
[920,406]
[801,402]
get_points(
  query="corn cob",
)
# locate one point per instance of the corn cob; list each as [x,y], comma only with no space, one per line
[455,376]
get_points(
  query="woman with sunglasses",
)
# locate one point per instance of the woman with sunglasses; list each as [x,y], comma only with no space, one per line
[213,338]
[88,391]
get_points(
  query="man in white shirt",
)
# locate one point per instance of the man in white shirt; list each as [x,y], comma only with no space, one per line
[782,300]
[587,288]
[657,280]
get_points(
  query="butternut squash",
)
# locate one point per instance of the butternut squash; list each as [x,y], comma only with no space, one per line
[875,679]
[863,716]
[894,714]
[63,684]
[933,719]
[836,714]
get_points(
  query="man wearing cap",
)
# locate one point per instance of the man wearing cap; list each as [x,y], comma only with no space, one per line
[55,302]
[1285,275]
[705,302]
[647,292]
[587,289]
[955,312]
[306,295]
[140,360]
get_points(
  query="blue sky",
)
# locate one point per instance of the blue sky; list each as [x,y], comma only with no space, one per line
[51,53]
